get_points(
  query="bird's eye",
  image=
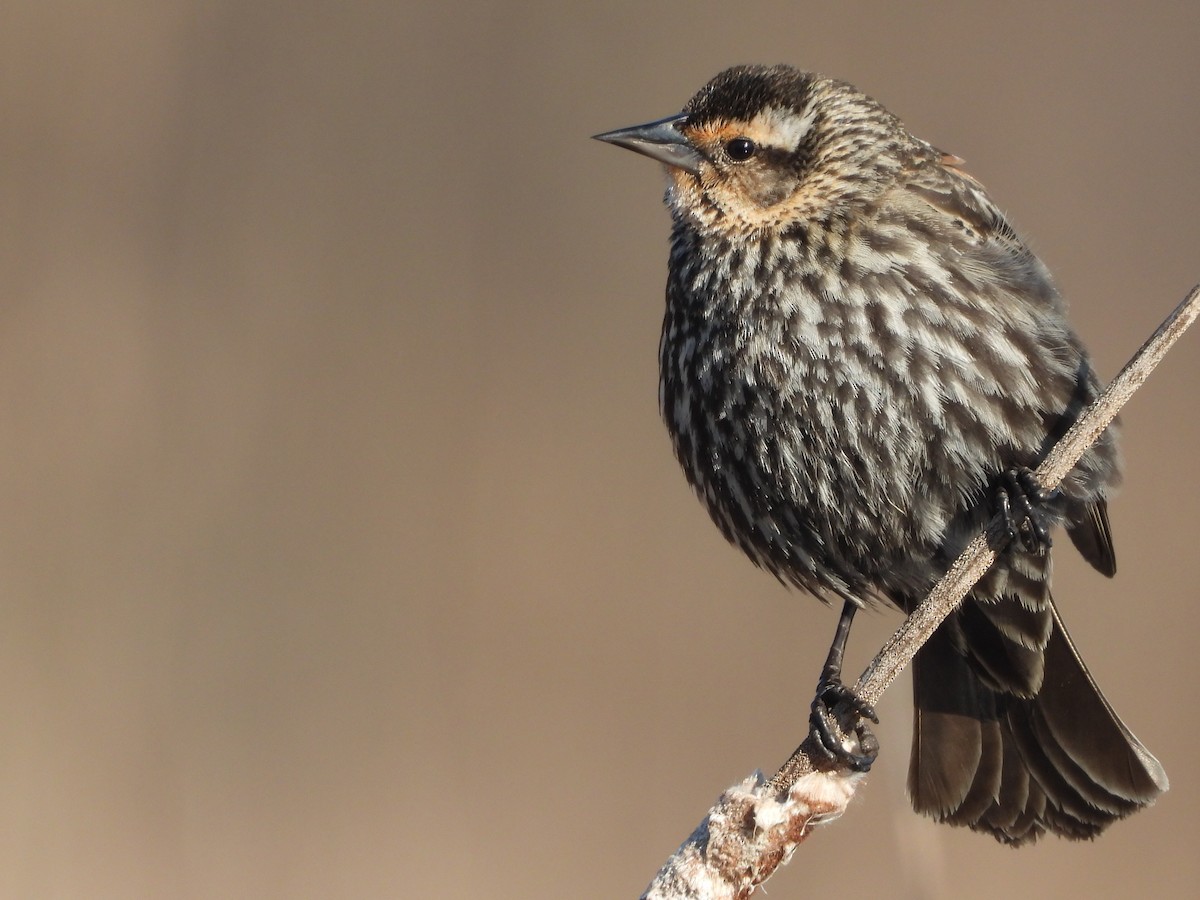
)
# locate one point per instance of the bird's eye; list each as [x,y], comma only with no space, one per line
[740,149]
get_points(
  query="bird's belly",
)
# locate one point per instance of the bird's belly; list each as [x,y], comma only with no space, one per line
[830,489]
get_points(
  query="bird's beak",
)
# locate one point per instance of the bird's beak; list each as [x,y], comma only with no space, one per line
[661,140]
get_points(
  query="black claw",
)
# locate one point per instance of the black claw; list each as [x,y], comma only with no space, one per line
[838,711]
[1021,514]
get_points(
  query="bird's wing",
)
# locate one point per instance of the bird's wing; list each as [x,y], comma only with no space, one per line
[954,193]
[1092,537]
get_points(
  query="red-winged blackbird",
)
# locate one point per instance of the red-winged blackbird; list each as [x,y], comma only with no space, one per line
[860,362]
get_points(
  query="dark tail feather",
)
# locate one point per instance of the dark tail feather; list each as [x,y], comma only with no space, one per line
[1013,767]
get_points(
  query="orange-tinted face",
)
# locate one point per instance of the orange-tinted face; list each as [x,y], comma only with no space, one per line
[753,171]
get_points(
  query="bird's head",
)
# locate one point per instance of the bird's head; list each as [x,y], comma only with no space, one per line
[767,147]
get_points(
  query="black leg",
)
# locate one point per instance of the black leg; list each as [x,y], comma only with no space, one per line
[1021,515]
[837,710]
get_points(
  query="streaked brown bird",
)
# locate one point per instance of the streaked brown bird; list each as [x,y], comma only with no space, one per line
[861,362]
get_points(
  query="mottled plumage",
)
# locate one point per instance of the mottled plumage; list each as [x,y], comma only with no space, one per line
[857,345]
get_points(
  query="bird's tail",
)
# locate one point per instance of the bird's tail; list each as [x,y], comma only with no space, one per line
[1017,766]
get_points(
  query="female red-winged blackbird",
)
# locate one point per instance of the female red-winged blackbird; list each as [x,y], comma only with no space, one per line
[860,362]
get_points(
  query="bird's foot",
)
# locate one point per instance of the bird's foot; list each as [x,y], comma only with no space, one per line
[1021,516]
[838,722]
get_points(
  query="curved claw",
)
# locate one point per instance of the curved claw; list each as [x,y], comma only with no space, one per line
[1021,514]
[838,711]
[835,694]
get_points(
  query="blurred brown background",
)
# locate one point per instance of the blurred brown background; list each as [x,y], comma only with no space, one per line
[342,553]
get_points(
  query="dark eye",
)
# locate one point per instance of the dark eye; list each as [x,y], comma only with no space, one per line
[740,149]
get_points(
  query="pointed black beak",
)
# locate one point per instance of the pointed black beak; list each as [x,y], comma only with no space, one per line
[661,140]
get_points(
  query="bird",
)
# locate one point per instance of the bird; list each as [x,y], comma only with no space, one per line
[861,363]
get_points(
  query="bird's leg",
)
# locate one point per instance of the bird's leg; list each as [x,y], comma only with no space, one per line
[838,711]
[1020,512]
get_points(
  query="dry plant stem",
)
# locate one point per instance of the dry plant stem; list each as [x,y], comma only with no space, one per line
[756,826]
[749,833]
